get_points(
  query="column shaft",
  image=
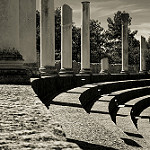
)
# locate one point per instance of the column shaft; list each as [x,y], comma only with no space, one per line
[66,40]
[85,38]
[142,55]
[47,38]
[125,43]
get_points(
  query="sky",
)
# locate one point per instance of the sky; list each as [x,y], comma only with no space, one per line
[100,10]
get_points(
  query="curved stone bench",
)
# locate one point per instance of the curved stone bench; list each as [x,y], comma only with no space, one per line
[96,90]
[124,121]
[67,109]
[138,108]
[123,96]
[101,107]
[94,128]
[47,88]
[144,124]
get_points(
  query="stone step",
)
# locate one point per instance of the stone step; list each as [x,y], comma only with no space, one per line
[126,124]
[95,90]
[138,108]
[143,117]
[123,96]
[97,127]
[144,125]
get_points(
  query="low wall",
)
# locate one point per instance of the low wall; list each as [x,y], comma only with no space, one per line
[96,67]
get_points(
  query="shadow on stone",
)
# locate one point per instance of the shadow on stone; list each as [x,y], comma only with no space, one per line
[88,146]
[138,108]
[134,135]
[131,142]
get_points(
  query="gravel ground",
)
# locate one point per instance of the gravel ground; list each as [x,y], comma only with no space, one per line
[25,123]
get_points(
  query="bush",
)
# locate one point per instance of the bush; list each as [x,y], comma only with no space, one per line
[10,54]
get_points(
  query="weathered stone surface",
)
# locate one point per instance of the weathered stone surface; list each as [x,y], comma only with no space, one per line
[85,38]
[27,30]
[124,18]
[47,38]
[143,48]
[25,123]
[66,15]
[66,40]
[9,24]
[104,66]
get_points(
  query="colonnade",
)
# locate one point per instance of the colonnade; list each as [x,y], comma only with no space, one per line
[18,30]
[66,41]
[47,51]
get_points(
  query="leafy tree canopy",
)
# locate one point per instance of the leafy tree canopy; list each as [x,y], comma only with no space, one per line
[107,42]
[113,39]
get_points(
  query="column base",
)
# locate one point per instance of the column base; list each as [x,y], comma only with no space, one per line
[143,72]
[85,72]
[48,71]
[104,72]
[66,72]
[124,72]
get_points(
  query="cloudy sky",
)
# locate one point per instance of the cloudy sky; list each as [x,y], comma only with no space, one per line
[139,10]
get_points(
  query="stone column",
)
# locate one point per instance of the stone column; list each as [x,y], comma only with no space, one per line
[104,66]
[9,24]
[66,40]
[142,55]
[124,18]
[85,39]
[27,30]
[47,38]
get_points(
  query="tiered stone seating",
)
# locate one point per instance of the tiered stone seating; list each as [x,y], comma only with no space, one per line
[144,124]
[89,96]
[138,108]
[109,102]
[125,105]
[123,96]
[126,123]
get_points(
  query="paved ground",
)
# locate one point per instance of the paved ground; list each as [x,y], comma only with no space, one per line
[25,123]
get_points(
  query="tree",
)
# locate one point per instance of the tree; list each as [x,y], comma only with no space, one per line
[113,39]
[76,43]
[148,54]
[96,40]
[58,33]
[38,30]
[134,49]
